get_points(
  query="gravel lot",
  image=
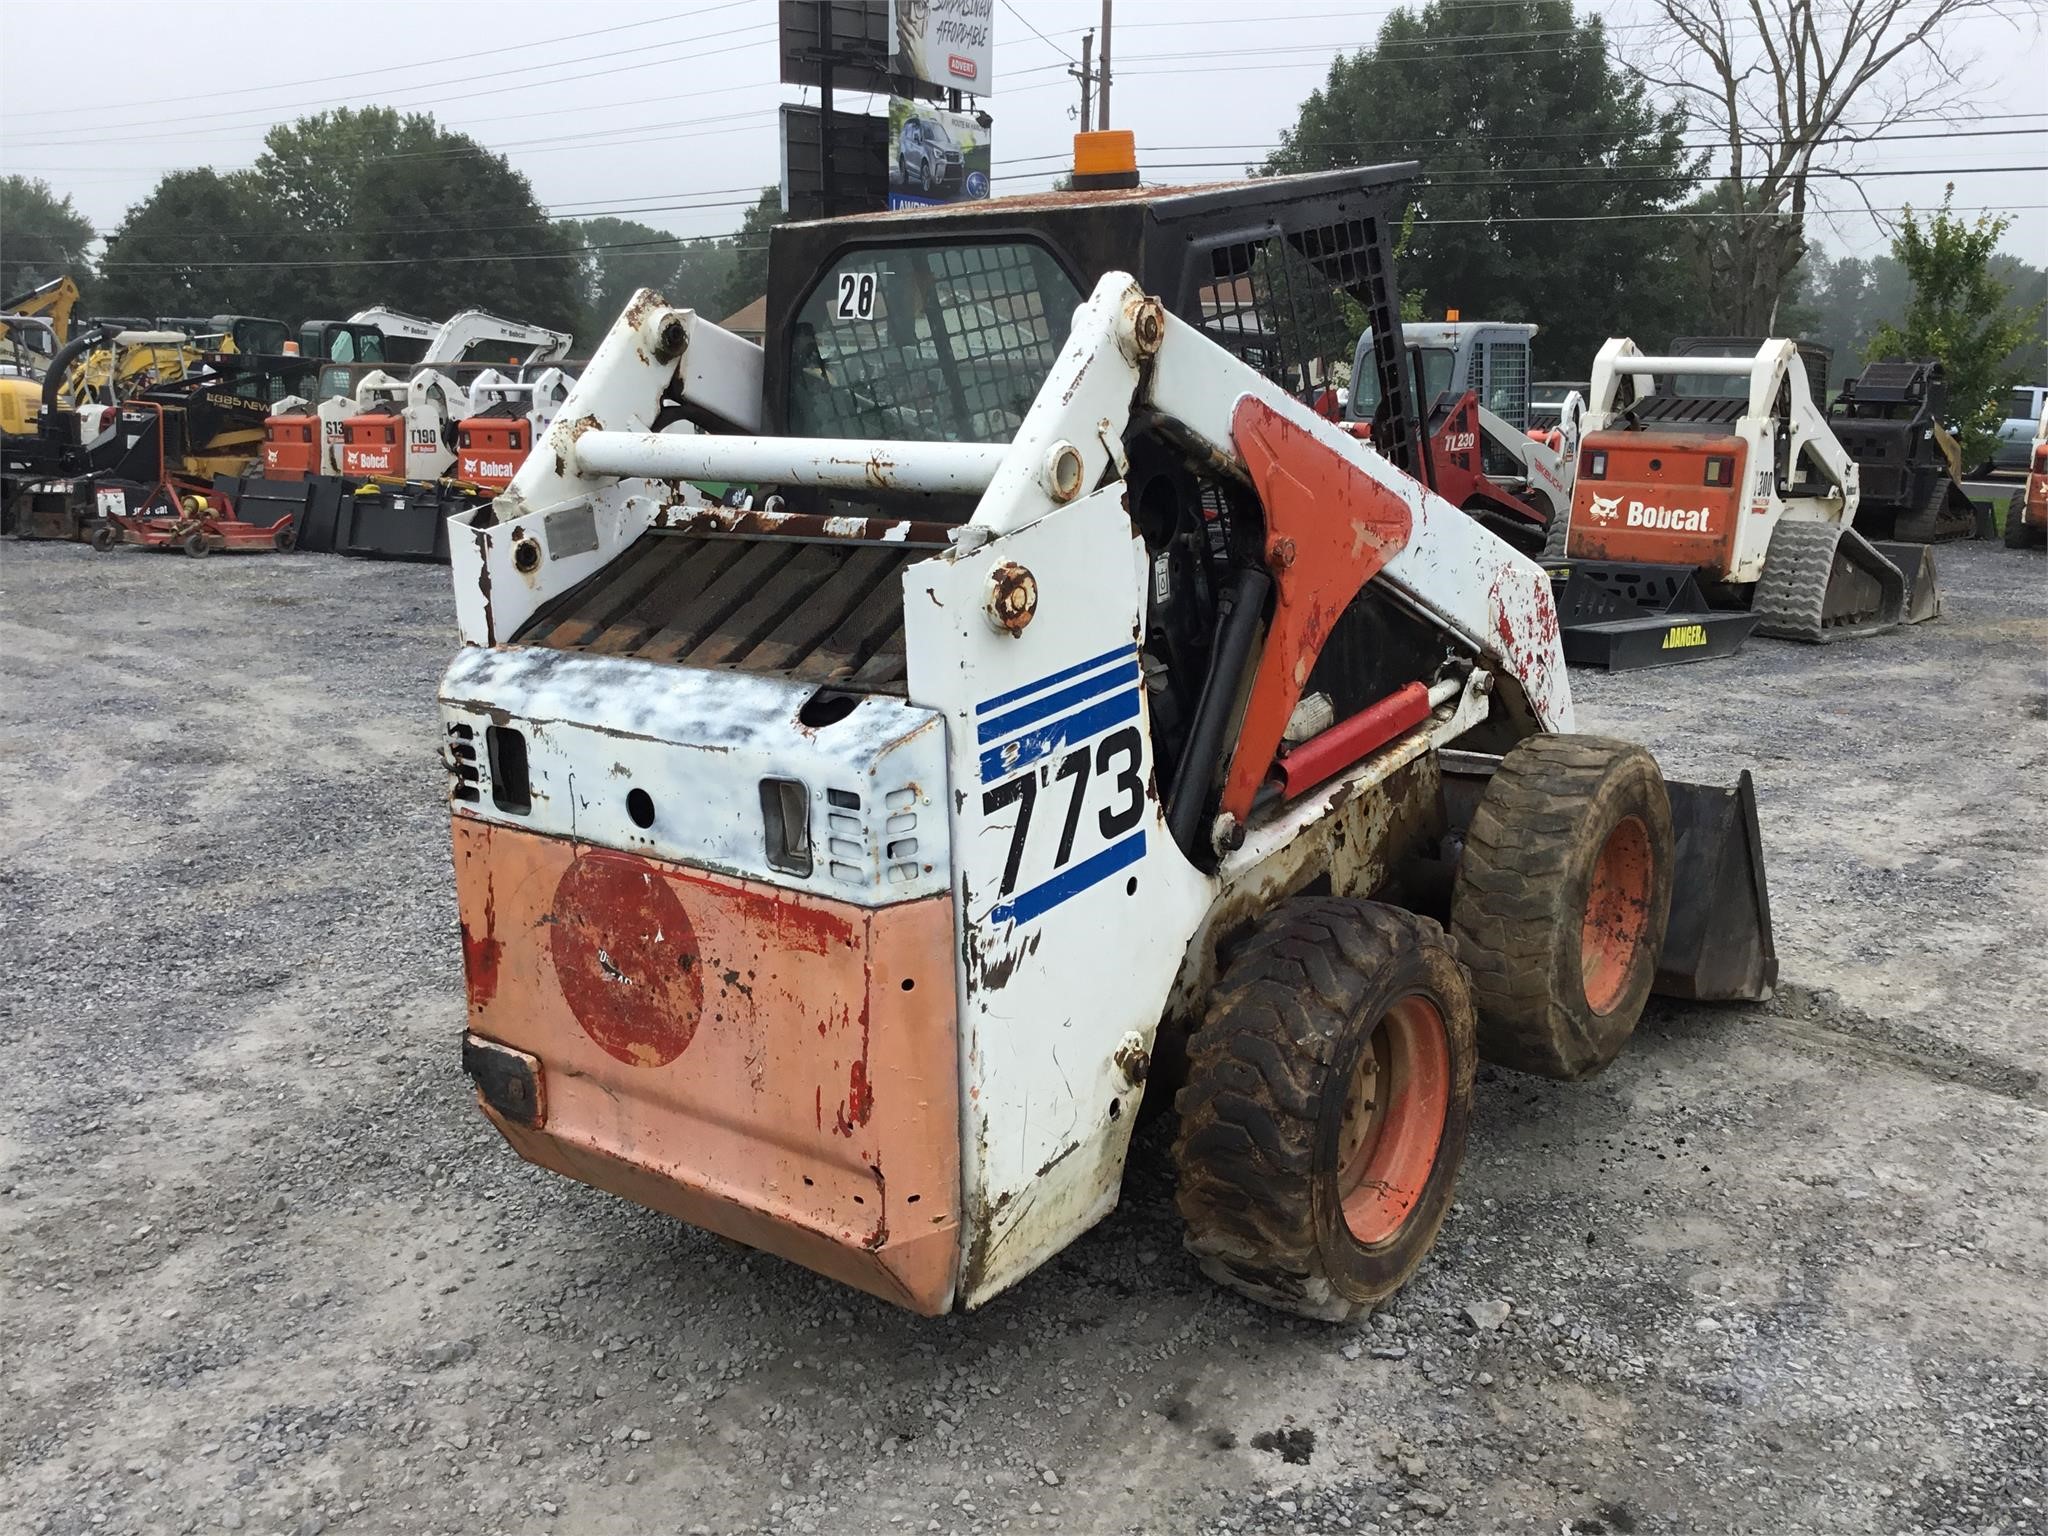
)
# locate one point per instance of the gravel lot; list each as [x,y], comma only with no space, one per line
[265,1268]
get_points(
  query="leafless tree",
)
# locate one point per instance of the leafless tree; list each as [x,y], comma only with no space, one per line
[1791,88]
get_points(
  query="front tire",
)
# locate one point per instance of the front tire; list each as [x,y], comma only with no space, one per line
[1561,900]
[1328,1099]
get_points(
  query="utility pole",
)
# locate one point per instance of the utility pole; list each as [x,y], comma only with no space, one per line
[1102,73]
[829,188]
[1082,74]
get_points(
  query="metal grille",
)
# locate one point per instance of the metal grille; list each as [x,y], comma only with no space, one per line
[1507,383]
[1292,305]
[823,611]
[937,344]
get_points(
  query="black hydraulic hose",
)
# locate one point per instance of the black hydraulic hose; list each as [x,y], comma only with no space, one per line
[53,379]
[1197,772]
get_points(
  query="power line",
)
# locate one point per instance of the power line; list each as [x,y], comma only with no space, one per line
[388,69]
[441,94]
[1055,47]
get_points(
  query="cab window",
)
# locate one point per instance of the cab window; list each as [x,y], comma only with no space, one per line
[928,343]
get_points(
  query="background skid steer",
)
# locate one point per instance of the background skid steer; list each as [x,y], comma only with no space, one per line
[1712,500]
[840,875]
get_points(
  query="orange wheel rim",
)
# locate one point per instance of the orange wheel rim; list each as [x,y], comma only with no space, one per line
[1617,914]
[1394,1120]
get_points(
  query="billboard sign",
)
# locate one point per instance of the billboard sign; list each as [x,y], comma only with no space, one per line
[862,150]
[935,156]
[948,43]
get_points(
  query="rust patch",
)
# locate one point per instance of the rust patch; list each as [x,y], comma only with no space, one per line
[860,1093]
[625,958]
[482,952]
[1012,597]
[811,929]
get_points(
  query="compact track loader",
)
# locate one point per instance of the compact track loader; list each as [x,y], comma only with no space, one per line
[1889,420]
[1074,715]
[1712,499]
[1470,379]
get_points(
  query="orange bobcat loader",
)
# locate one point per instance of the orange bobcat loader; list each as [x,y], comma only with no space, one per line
[1703,512]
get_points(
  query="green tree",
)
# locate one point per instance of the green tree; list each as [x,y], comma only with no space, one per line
[42,237]
[747,279]
[342,210]
[620,257]
[1960,314]
[200,244]
[1535,164]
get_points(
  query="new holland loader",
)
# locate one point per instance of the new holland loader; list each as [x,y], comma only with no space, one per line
[1073,716]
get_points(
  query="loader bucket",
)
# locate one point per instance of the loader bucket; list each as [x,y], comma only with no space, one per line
[1718,945]
[1916,564]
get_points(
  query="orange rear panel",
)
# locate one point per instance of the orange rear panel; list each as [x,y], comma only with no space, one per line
[291,447]
[492,449]
[1653,504]
[763,1063]
[370,446]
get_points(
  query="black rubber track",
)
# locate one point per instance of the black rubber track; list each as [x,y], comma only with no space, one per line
[1792,593]
[1268,1073]
[1519,900]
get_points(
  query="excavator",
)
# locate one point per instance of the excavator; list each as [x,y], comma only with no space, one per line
[1073,719]
[33,326]
[1713,500]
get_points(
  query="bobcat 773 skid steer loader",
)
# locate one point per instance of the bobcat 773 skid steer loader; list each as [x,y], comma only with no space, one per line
[1081,714]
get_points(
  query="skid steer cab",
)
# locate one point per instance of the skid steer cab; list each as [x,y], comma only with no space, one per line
[1712,500]
[1072,717]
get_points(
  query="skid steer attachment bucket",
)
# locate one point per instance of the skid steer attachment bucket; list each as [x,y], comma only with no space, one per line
[1916,563]
[1622,616]
[1718,944]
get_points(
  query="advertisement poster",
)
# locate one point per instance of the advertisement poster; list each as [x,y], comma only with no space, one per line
[935,156]
[945,42]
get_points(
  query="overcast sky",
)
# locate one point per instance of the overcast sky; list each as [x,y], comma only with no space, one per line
[665,111]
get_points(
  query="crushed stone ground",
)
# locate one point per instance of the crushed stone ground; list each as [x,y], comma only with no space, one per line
[265,1268]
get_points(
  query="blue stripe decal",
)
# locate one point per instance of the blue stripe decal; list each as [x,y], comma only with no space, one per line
[1039,709]
[997,762]
[1046,682]
[1071,881]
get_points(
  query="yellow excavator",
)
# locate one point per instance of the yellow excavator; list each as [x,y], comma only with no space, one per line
[33,326]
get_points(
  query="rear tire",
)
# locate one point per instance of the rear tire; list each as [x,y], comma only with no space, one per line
[1557,533]
[1328,1098]
[2016,536]
[1561,899]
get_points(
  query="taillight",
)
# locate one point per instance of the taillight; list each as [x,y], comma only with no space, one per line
[1721,469]
[1593,464]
